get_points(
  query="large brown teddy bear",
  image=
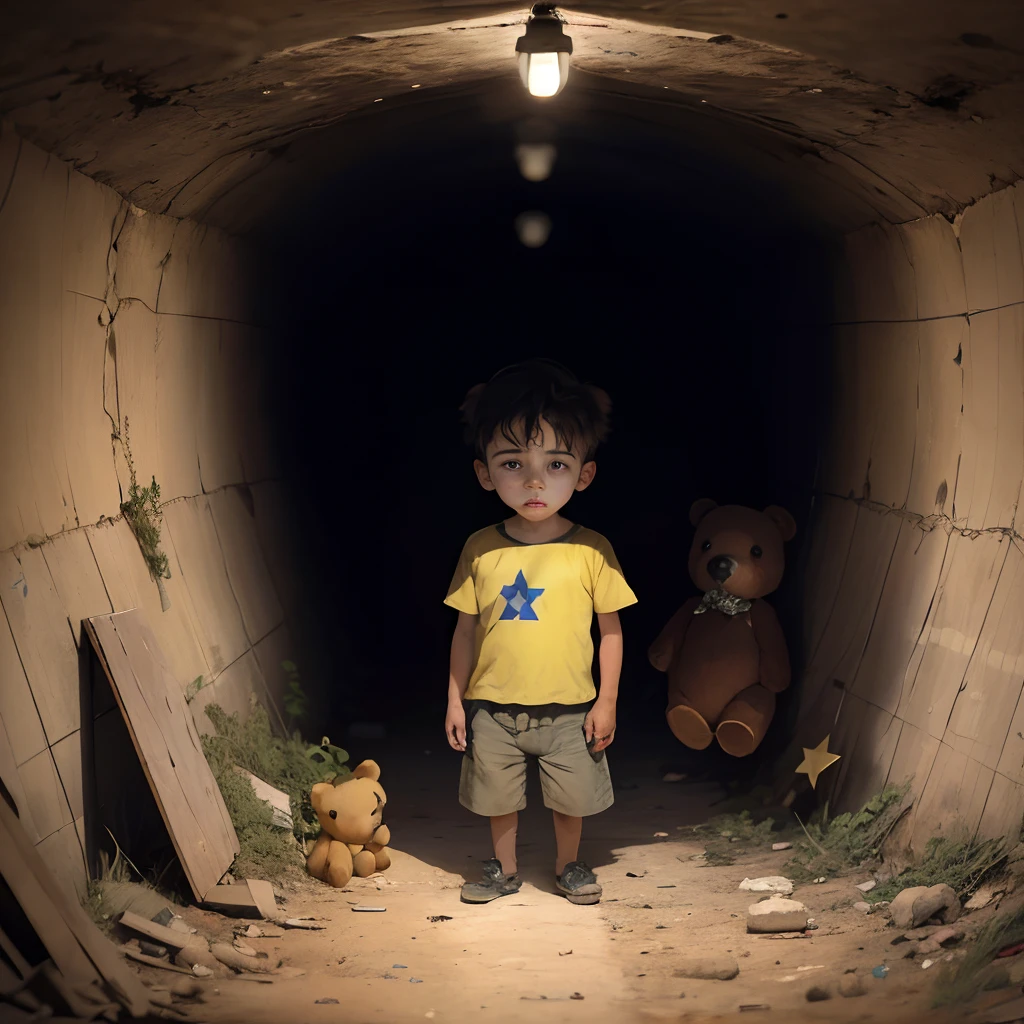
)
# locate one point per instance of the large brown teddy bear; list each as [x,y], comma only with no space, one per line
[725,653]
[353,839]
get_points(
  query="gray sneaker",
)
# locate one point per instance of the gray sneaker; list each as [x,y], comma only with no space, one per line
[495,883]
[579,883]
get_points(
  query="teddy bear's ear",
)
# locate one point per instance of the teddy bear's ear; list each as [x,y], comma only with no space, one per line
[700,508]
[367,770]
[319,791]
[783,520]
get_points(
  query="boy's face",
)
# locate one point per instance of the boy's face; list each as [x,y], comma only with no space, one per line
[535,481]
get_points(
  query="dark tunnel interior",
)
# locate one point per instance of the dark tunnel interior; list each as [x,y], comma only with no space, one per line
[698,298]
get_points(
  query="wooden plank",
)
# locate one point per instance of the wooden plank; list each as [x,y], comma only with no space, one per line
[934,251]
[12,780]
[246,567]
[17,708]
[989,480]
[47,649]
[991,690]
[236,900]
[219,424]
[168,746]
[85,424]
[939,417]
[233,690]
[76,576]
[160,934]
[44,794]
[950,636]
[81,953]
[21,965]
[263,893]
[280,803]
[64,856]
[130,586]
[218,620]
[910,584]
[954,796]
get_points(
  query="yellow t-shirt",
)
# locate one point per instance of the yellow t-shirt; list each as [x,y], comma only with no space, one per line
[535,605]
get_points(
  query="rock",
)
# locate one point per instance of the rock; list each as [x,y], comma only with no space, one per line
[673,777]
[864,908]
[867,886]
[818,994]
[769,883]
[944,936]
[776,914]
[722,968]
[782,846]
[913,907]
[983,897]
[924,932]
[851,985]
[186,988]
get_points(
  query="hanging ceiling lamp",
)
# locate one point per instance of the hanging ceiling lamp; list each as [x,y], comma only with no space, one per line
[544,52]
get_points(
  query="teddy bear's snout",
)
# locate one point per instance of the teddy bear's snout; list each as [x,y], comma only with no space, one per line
[721,567]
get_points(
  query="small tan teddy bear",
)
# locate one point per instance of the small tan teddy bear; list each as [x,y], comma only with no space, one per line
[353,839]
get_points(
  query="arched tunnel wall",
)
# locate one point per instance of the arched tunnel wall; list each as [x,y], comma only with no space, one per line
[914,580]
[913,585]
[111,314]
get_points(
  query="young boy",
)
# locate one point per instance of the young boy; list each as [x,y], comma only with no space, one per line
[526,591]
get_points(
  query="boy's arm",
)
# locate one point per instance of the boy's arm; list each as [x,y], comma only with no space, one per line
[459,670]
[600,721]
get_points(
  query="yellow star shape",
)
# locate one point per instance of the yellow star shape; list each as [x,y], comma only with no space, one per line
[816,761]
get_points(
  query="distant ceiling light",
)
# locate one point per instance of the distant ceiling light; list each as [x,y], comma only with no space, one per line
[533,228]
[544,52]
[535,160]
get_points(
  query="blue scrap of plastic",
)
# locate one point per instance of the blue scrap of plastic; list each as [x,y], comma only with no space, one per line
[880,971]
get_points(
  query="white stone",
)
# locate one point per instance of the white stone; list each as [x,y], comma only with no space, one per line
[769,883]
[776,914]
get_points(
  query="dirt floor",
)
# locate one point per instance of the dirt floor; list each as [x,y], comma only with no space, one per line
[534,957]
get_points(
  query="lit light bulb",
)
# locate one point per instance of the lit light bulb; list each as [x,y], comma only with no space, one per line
[543,78]
[544,52]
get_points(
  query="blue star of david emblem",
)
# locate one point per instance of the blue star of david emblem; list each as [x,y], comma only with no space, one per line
[520,598]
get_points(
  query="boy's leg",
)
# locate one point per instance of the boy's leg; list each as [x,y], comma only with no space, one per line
[575,783]
[567,839]
[503,834]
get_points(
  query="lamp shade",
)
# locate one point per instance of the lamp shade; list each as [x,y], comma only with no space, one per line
[544,54]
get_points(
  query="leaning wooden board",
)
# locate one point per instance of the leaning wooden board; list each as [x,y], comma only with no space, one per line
[165,738]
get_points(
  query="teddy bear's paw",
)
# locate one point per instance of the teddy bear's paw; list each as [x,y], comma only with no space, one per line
[689,727]
[736,738]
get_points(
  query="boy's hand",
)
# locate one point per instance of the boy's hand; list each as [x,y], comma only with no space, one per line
[455,726]
[599,725]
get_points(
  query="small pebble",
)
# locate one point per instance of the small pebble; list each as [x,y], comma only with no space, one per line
[416,981]
[818,994]
[782,846]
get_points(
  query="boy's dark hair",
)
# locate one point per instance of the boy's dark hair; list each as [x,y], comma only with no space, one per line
[529,391]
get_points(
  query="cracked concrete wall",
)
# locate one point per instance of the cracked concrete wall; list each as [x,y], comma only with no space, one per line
[112,314]
[915,570]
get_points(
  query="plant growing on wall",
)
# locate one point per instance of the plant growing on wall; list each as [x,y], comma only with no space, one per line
[142,513]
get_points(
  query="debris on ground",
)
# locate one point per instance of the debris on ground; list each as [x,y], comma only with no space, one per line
[673,777]
[831,846]
[911,908]
[723,968]
[862,907]
[776,914]
[867,886]
[370,910]
[851,985]
[961,862]
[782,846]
[975,972]
[818,994]
[983,897]
[443,917]
[880,971]
[769,883]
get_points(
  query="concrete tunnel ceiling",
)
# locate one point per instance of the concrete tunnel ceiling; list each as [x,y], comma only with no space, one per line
[217,114]
[897,129]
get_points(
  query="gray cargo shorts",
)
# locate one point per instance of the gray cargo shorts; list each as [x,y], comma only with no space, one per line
[501,738]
